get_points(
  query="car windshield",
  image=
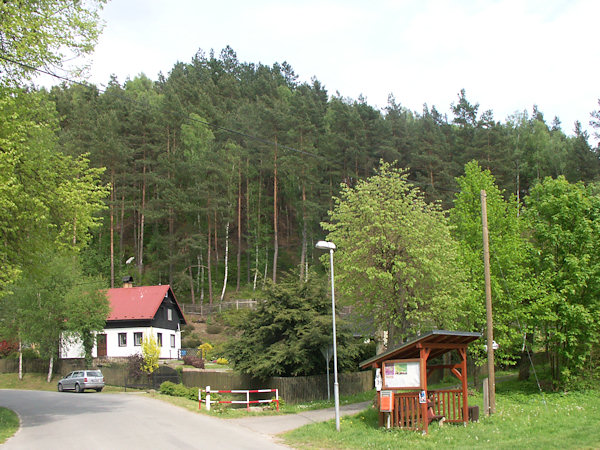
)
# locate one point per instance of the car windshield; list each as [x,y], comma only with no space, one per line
[94,373]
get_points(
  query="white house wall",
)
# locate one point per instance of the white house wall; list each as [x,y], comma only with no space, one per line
[73,348]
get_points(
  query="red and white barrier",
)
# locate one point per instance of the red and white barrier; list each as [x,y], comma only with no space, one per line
[247,402]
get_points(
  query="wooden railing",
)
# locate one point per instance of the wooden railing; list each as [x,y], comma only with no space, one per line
[448,403]
[408,411]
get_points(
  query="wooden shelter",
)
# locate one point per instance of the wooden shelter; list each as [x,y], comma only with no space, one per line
[404,372]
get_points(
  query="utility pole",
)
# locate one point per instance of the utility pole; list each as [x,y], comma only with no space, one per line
[488,307]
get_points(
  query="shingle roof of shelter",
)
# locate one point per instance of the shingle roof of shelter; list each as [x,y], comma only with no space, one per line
[443,341]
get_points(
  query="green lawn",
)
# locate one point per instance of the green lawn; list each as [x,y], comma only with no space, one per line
[524,419]
[230,412]
[37,382]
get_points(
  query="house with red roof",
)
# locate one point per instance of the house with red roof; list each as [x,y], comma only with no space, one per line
[134,313]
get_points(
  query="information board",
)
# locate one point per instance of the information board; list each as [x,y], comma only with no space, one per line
[402,374]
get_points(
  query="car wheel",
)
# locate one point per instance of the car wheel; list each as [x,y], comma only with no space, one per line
[98,389]
[78,388]
[60,387]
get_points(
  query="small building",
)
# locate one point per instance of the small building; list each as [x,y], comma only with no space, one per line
[403,395]
[134,312]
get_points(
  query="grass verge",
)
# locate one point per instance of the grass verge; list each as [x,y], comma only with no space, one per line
[229,412]
[37,382]
[9,424]
[524,419]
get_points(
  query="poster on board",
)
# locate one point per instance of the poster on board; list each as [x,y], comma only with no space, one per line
[402,374]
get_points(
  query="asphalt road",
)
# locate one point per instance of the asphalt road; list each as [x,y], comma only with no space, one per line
[53,420]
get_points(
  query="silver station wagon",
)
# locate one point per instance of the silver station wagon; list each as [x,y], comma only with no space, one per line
[80,380]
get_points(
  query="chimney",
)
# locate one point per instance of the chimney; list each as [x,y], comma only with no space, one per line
[128,282]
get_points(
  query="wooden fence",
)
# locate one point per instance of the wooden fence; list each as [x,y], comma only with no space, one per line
[61,367]
[207,310]
[291,389]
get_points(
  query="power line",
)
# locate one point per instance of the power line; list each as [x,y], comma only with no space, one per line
[212,125]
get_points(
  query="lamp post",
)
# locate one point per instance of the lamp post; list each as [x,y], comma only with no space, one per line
[324,245]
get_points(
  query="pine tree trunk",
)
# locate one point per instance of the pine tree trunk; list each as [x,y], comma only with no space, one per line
[303,255]
[226,262]
[112,229]
[171,243]
[239,230]
[255,268]
[192,285]
[140,257]
[275,231]
[258,235]
[266,266]
[215,228]
[248,247]
[201,272]
[208,263]
[122,225]
[171,219]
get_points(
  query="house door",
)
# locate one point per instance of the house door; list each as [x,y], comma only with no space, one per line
[101,345]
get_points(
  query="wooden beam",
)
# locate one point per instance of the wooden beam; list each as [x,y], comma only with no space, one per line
[445,366]
[433,345]
[457,374]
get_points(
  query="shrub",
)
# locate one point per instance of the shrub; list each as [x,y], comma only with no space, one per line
[222,361]
[187,329]
[191,341]
[214,329]
[6,348]
[150,353]
[29,353]
[204,349]
[178,390]
[134,366]
[194,361]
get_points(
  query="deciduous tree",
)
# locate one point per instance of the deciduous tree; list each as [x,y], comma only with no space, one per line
[395,258]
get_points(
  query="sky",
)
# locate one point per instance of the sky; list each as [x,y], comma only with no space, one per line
[507,54]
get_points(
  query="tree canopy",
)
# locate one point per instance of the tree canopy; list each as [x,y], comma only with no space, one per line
[395,255]
[42,34]
[284,335]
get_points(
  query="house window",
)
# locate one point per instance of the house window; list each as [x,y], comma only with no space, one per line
[122,339]
[159,339]
[173,341]
[137,339]
[169,314]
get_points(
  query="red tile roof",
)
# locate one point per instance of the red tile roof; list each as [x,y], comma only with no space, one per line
[136,303]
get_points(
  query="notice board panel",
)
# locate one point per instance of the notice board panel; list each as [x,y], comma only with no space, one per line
[402,374]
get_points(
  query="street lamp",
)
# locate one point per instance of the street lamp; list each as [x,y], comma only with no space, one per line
[324,245]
